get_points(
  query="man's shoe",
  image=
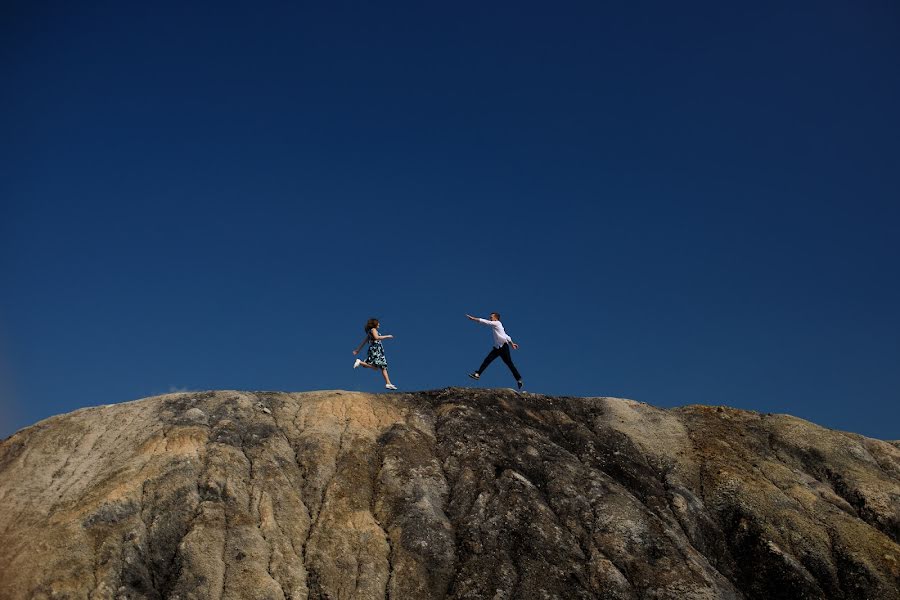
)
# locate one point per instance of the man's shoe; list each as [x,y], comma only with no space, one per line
[475,376]
[520,384]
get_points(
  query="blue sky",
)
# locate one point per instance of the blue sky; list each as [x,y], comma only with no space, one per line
[676,204]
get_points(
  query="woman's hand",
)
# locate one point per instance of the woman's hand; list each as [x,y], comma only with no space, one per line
[355,352]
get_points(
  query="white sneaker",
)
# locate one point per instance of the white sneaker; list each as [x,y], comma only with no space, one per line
[390,386]
[356,364]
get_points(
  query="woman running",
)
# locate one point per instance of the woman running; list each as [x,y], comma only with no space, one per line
[375,358]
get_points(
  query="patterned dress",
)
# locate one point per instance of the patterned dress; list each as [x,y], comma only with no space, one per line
[375,355]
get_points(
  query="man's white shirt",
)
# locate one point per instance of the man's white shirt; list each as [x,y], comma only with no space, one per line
[500,336]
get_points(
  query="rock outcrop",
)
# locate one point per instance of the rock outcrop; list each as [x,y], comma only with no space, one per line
[457,493]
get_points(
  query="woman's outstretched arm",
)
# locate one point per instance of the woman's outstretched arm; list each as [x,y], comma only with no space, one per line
[361,344]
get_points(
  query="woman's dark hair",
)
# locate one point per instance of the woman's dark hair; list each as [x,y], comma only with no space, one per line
[370,324]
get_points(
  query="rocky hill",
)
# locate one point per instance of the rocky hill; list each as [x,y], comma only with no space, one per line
[457,493]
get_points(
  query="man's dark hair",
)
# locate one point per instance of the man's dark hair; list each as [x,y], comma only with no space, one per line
[496,314]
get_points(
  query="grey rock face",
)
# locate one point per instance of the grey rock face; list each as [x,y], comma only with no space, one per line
[456,493]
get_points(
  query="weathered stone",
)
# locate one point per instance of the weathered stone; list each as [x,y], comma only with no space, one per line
[457,493]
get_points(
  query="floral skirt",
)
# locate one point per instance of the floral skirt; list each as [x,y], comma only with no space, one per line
[375,356]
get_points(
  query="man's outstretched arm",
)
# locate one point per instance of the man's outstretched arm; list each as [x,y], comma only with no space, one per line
[482,321]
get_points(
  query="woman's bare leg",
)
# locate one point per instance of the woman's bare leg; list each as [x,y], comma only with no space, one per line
[368,366]
[387,379]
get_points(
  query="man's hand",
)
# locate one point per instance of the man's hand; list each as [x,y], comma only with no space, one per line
[515,346]
[471,318]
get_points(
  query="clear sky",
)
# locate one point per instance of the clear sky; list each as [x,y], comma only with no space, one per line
[672,202]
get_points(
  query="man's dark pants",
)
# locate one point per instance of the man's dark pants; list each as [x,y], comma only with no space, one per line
[502,352]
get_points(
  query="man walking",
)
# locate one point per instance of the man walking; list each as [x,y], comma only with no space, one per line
[502,342]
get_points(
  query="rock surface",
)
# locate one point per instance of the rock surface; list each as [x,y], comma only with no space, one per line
[457,493]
